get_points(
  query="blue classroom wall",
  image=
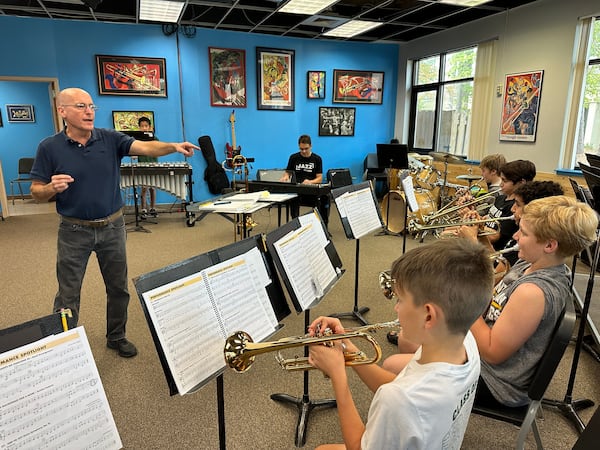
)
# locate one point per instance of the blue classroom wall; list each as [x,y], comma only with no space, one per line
[67,49]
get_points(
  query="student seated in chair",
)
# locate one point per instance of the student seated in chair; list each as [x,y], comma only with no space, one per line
[526,304]
[427,405]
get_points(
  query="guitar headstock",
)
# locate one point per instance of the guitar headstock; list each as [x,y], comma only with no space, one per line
[232,117]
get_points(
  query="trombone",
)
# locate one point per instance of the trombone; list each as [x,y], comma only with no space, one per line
[415,227]
[240,350]
[446,210]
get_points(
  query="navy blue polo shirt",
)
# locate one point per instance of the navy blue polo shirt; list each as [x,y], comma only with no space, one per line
[95,167]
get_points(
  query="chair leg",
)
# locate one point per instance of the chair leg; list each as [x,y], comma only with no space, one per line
[12,192]
[529,424]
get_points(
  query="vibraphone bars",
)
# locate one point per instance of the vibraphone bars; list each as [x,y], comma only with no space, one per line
[172,177]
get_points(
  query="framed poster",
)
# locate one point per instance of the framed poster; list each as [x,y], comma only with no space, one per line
[520,106]
[356,86]
[336,121]
[275,78]
[128,120]
[20,113]
[315,84]
[132,75]
[227,77]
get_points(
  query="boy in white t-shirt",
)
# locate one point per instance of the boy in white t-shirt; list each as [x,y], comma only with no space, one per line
[441,288]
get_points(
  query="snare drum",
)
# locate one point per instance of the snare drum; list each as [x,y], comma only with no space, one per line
[393,208]
[426,178]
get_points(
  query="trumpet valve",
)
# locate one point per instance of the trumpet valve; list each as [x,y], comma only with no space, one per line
[235,346]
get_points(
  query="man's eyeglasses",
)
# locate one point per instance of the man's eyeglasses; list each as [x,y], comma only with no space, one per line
[83,106]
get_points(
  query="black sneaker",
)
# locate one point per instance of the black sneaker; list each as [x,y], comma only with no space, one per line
[152,213]
[125,348]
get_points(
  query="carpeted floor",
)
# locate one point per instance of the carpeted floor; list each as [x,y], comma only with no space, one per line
[148,418]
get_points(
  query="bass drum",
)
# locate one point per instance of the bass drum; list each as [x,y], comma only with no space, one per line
[393,208]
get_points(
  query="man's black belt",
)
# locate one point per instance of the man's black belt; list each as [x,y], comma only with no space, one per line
[96,223]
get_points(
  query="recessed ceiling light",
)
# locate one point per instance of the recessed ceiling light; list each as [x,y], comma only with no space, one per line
[161,10]
[465,2]
[308,7]
[352,28]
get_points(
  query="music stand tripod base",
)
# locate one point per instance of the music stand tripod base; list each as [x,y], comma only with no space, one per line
[304,406]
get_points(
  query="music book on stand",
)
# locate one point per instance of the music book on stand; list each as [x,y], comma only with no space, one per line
[357,206]
[51,395]
[306,259]
[193,306]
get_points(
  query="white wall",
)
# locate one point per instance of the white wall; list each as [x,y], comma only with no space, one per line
[536,36]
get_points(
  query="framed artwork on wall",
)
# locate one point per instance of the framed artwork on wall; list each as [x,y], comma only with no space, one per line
[520,106]
[227,77]
[20,113]
[336,121]
[132,75]
[275,78]
[1,119]
[357,86]
[128,120]
[315,84]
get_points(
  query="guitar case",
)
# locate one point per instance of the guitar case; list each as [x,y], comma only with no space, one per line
[214,174]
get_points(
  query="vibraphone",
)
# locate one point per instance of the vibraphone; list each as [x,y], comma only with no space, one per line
[172,177]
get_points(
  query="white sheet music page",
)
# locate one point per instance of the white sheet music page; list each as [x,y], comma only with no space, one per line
[194,315]
[361,211]
[51,396]
[306,262]
[409,191]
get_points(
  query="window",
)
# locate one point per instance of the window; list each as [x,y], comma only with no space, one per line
[588,139]
[442,96]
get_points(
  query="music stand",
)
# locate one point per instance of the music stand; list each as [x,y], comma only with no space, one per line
[391,156]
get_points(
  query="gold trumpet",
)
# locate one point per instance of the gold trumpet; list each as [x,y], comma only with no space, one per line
[240,350]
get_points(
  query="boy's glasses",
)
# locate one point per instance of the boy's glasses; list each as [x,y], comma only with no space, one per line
[83,106]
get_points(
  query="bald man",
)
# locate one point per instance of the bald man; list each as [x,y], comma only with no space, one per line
[80,167]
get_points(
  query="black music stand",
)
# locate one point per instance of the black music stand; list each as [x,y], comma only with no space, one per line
[137,226]
[304,404]
[391,156]
[569,407]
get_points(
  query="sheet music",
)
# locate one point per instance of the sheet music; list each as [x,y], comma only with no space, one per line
[306,262]
[409,191]
[194,315]
[359,207]
[51,396]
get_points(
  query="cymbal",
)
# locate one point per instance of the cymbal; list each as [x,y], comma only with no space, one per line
[469,177]
[446,157]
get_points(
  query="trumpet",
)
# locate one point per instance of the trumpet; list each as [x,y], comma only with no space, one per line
[240,350]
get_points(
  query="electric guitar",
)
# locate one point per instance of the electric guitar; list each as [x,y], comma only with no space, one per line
[231,151]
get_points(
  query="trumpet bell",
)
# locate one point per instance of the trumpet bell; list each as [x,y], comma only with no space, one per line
[235,346]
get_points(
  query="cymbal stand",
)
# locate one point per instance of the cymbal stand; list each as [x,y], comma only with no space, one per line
[444,189]
[137,226]
[305,405]
[568,407]
[356,313]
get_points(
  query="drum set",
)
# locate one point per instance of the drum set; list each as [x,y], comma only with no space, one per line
[434,194]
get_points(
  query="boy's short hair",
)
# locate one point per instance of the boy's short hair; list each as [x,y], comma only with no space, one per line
[570,222]
[304,139]
[493,162]
[531,190]
[518,170]
[455,274]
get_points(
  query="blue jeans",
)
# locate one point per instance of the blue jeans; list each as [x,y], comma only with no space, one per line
[75,244]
